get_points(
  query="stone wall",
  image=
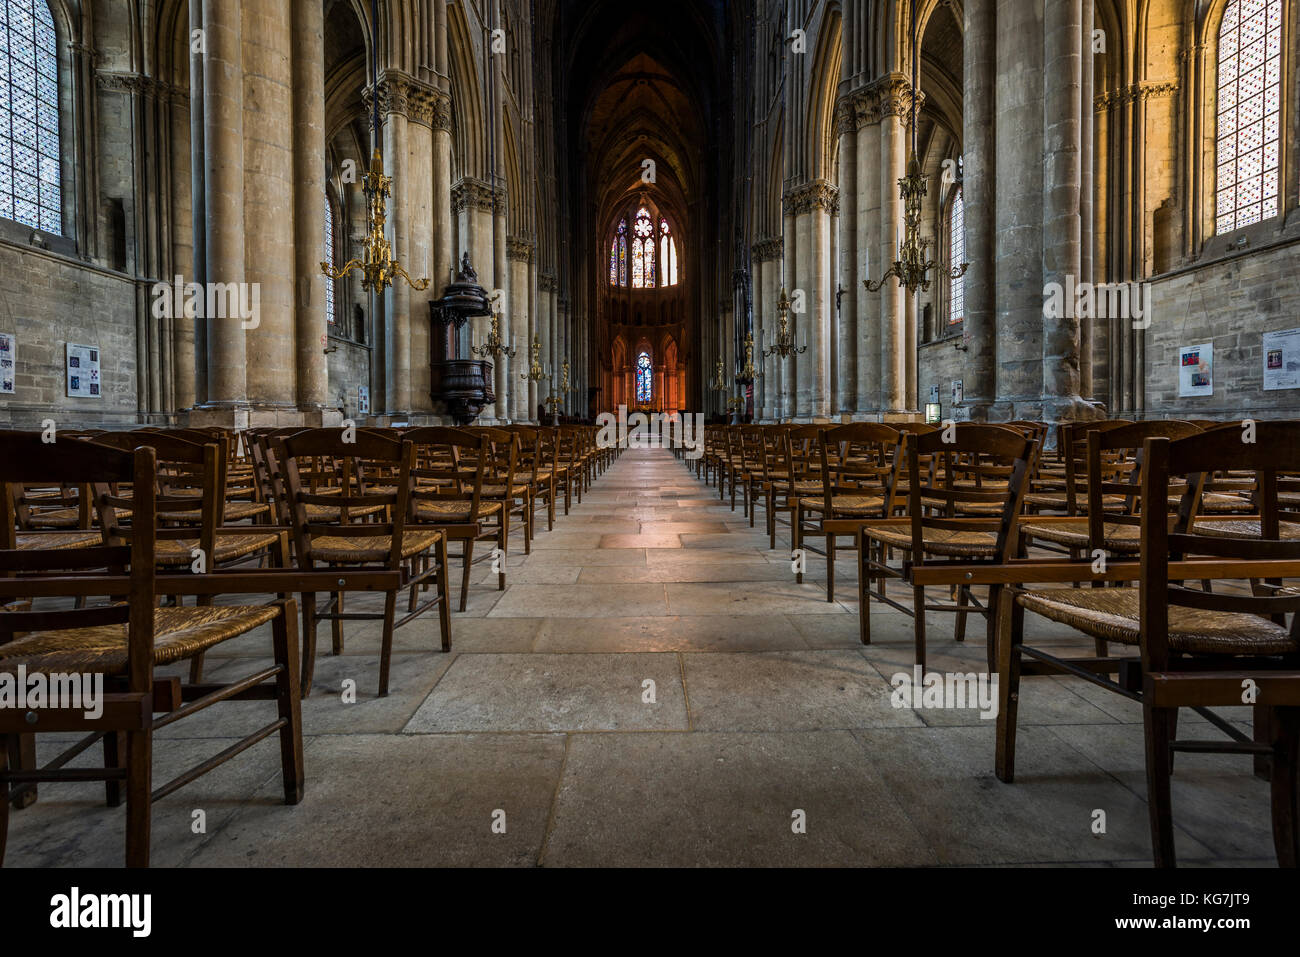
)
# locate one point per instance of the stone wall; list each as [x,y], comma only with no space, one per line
[1231,304]
[47,301]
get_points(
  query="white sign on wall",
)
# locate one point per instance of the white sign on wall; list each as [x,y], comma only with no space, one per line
[83,371]
[8,357]
[1282,359]
[1196,370]
[957,392]
[363,400]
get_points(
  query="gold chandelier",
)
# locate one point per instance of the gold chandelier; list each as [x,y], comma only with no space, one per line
[912,268]
[783,344]
[536,371]
[377,266]
[748,374]
[495,346]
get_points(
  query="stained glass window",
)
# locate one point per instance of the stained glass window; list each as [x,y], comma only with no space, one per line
[644,378]
[622,253]
[957,254]
[643,251]
[329,258]
[613,262]
[1250,99]
[667,254]
[30,179]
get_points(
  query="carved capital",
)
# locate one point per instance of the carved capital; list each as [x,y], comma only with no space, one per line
[476,194]
[891,95]
[769,250]
[546,282]
[819,194]
[519,249]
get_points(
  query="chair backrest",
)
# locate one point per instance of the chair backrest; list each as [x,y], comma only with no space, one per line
[503,457]
[356,453]
[449,463]
[1276,450]
[969,449]
[1112,481]
[26,459]
[857,458]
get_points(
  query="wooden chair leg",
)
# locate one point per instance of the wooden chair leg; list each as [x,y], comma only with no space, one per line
[114,757]
[1156,726]
[139,787]
[864,591]
[1263,728]
[796,537]
[1284,724]
[444,596]
[1006,638]
[963,601]
[22,757]
[336,626]
[830,567]
[4,796]
[468,559]
[284,637]
[918,624]
[386,649]
[308,641]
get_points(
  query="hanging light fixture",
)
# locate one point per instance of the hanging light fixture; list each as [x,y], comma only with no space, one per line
[783,342]
[376,264]
[912,268]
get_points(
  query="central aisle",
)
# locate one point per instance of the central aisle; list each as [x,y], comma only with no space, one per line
[653,688]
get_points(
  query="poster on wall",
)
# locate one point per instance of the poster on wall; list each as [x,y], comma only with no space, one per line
[8,355]
[1282,359]
[957,392]
[1196,370]
[363,400]
[83,371]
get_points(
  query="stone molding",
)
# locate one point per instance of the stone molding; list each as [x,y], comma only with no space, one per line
[819,194]
[476,194]
[1145,90]
[769,250]
[135,83]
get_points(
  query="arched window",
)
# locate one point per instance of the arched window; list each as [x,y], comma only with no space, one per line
[1249,107]
[329,258]
[668,253]
[643,251]
[618,256]
[957,256]
[30,179]
[644,378]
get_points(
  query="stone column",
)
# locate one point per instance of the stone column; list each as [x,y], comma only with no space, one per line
[980,175]
[197,358]
[1086,118]
[1063,72]
[846,272]
[1018,244]
[394,106]
[894,103]
[223,179]
[443,270]
[420,202]
[523,395]
[310,321]
[867,219]
[505,385]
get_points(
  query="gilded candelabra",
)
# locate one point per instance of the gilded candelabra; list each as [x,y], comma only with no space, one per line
[495,347]
[536,371]
[377,266]
[748,373]
[783,344]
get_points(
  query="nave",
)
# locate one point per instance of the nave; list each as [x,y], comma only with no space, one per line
[766,703]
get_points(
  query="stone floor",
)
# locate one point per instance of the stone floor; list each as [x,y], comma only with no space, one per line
[766,710]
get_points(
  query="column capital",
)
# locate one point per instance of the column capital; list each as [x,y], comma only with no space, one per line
[519,249]
[768,250]
[469,193]
[819,194]
[890,95]
[547,282]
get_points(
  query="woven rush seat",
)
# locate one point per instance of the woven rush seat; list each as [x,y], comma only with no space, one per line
[331,513]
[179,633]
[54,518]
[235,512]
[1244,528]
[964,508]
[342,550]
[1218,503]
[801,486]
[1074,534]
[1060,500]
[846,504]
[938,541]
[1113,614]
[179,551]
[38,540]
[453,508]
[499,491]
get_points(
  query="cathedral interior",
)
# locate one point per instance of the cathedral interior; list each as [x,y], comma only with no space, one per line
[256,220]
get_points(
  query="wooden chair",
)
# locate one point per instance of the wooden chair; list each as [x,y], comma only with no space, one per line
[335,540]
[1188,648]
[796,474]
[933,531]
[123,641]
[859,465]
[448,495]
